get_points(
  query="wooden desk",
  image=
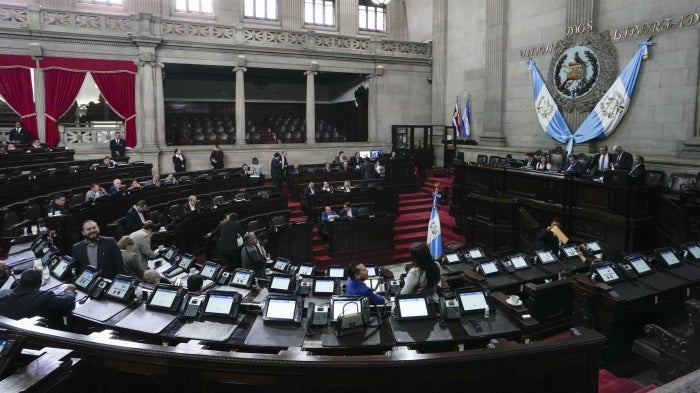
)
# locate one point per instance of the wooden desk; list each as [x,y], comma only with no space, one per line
[360,235]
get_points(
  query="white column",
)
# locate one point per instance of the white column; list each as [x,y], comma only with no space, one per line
[40,102]
[146,131]
[311,103]
[372,102]
[160,108]
[240,103]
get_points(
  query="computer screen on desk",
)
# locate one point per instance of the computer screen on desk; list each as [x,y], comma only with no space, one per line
[221,304]
[519,262]
[170,254]
[283,309]
[376,153]
[346,305]
[488,268]
[409,307]
[669,258]
[372,270]
[209,270]
[324,286]
[471,300]
[120,288]
[281,283]
[545,256]
[306,270]
[639,265]
[166,298]
[607,274]
[569,251]
[693,251]
[336,272]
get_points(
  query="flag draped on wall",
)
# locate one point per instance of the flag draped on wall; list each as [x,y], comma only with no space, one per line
[467,119]
[604,118]
[434,232]
[456,122]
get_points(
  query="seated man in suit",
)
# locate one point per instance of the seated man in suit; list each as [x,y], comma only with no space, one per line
[154,182]
[357,275]
[637,174]
[309,190]
[27,300]
[600,163]
[327,215]
[116,187]
[529,162]
[253,255]
[573,166]
[136,216]
[36,146]
[58,206]
[340,157]
[191,205]
[695,181]
[345,166]
[327,167]
[94,192]
[327,187]
[98,251]
[348,211]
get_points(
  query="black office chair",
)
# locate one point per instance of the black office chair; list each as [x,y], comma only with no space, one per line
[256,226]
[363,212]
[556,160]
[493,160]
[482,159]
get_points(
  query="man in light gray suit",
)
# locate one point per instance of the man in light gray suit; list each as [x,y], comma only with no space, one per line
[142,243]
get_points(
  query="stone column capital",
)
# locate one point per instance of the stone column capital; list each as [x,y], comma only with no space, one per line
[242,69]
[307,73]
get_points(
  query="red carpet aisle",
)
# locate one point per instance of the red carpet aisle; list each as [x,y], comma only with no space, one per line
[411,226]
[609,383]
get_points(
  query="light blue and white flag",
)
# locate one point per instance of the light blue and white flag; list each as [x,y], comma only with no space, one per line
[609,111]
[467,119]
[434,231]
[604,118]
[548,114]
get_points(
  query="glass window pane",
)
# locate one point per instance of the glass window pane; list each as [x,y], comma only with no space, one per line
[206,6]
[271,9]
[308,12]
[330,16]
[249,8]
[180,5]
[193,6]
[363,17]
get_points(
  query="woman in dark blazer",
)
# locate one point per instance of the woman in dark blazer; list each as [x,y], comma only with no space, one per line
[179,161]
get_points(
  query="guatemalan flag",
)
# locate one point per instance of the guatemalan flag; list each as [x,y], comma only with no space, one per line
[456,122]
[467,120]
[612,107]
[604,118]
[434,231]
[548,114]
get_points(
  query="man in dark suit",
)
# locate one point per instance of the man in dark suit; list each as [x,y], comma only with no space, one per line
[367,171]
[356,161]
[622,159]
[226,245]
[253,255]
[26,300]
[98,251]
[637,174]
[601,162]
[348,211]
[135,216]
[191,206]
[327,167]
[276,170]
[19,134]
[573,166]
[529,162]
[216,158]
[117,145]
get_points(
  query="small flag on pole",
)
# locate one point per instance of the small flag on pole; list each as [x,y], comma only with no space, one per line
[434,232]
[467,119]
[456,121]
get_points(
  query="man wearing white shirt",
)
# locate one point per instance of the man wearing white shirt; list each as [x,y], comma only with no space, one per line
[600,162]
[94,192]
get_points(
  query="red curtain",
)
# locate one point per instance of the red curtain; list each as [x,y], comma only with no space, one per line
[119,91]
[15,83]
[61,88]
[116,81]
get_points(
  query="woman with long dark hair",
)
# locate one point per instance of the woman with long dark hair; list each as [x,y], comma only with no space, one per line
[424,277]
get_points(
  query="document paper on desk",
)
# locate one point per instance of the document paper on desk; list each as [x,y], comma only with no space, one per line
[559,234]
